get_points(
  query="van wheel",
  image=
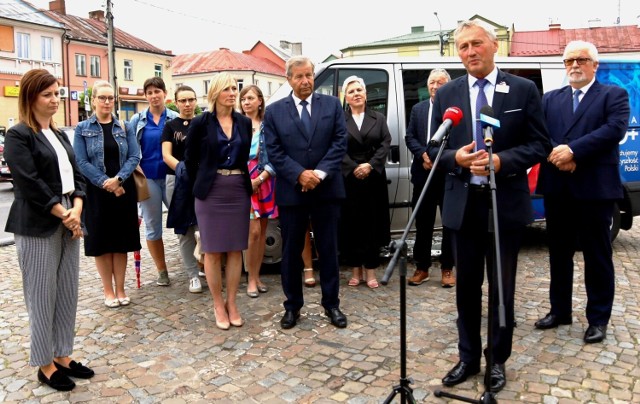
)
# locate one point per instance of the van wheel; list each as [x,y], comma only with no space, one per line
[615,223]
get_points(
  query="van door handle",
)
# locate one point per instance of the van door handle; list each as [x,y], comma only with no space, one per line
[394,153]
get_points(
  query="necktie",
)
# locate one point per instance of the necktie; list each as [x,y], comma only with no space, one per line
[576,99]
[481,101]
[305,117]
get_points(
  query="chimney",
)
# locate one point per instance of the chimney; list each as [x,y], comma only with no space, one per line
[554,26]
[58,6]
[417,29]
[97,15]
[296,49]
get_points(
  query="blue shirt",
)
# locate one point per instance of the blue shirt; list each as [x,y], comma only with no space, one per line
[229,149]
[152,163]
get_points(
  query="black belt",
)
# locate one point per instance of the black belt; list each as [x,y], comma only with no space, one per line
[480,187]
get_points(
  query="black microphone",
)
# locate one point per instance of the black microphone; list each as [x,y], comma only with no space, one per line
[452,116]
[488,122]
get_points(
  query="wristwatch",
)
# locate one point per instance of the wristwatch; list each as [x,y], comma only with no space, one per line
[120,180]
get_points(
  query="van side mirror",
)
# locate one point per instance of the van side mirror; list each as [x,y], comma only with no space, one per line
[394,153]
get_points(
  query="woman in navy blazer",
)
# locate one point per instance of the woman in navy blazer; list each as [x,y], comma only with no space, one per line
[216,155]
[46,219]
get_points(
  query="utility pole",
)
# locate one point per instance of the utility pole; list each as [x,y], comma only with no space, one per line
[111,56]
[440,36]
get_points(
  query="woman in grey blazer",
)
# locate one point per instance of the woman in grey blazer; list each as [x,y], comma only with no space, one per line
[46,219]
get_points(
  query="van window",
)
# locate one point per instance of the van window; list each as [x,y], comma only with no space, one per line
[414,83]
[377,81]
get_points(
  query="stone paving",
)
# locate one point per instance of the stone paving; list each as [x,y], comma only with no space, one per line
[165,348]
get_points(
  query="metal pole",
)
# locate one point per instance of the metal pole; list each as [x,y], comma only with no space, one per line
[111,55]
[440,36]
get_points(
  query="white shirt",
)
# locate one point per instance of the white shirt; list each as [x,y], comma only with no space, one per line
[64,165]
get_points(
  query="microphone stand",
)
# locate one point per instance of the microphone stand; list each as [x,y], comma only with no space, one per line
[399,250]
[493,275]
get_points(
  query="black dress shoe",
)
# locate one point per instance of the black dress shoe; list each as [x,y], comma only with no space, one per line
[337,317]
[75,369]
[498,377]
[289,319]
[57,381]
[595,333]
[460,372]
[551,321]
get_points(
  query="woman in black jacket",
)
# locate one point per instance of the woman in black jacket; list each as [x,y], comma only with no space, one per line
[365,217]
[46,219]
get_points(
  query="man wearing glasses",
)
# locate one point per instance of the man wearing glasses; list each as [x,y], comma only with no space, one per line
[580,183]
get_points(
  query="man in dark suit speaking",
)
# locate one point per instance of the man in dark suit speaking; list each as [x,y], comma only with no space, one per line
[306,140]
[580,183]
[520,142]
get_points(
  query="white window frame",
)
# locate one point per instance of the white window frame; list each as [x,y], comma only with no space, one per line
[81,64]
[128,69]
[95,70]
[46,45]
[157,70]
[23,45]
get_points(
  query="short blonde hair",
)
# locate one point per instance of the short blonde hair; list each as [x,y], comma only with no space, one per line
[219,82]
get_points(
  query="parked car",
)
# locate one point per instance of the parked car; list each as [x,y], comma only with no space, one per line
[5,174]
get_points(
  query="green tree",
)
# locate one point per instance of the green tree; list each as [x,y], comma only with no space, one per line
[172,106]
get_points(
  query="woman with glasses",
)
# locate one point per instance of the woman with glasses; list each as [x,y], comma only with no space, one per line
[181,215]
[107,153]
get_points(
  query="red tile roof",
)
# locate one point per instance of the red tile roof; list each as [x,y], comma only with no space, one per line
[95,31]
[615,39]
[222,60]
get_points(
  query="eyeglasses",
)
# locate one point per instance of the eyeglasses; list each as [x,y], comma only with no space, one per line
[104,98]
[581,61]
[187,100]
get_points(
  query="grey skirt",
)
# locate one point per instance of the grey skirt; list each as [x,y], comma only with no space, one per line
[223,217]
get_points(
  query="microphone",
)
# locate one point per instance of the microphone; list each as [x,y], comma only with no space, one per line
[488,122]
[452,116]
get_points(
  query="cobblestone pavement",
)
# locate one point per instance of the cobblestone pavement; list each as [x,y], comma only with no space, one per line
[165,348]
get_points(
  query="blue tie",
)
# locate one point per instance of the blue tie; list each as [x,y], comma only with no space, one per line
[305,117]
[481,101]
[576,99]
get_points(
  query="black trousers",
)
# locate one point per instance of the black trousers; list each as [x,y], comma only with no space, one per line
[473,248]
[294,222]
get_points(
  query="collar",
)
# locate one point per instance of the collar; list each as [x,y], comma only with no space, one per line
[585,88]
[297,100]
[492,78]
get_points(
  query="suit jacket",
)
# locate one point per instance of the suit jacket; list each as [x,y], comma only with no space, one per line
[37,185]
[291,150]
[593,133]
[201,151]
[521,141]
[416,140]
[369,144]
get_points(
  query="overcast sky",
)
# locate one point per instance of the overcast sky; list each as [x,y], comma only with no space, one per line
[326,26]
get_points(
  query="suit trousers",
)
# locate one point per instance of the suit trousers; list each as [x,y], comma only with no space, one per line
[569,222]
[424,222]
[294,221]
[50,269]
[473,246]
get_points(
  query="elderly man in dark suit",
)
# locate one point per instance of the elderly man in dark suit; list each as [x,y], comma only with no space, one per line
[520,142]
[306,140]
[580,183]
[417,139]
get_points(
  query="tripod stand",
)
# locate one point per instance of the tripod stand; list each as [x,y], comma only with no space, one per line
[494,275]
[399,249]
